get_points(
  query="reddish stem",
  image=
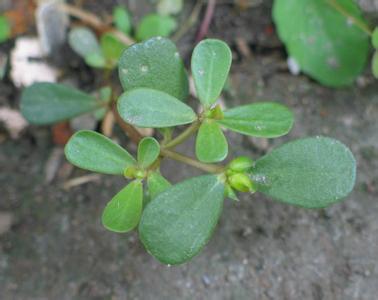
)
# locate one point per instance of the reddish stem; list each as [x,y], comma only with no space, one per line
[204,28]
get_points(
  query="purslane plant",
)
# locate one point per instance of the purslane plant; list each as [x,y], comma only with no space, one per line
[176,221]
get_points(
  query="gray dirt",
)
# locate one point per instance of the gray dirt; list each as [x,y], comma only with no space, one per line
[56,247]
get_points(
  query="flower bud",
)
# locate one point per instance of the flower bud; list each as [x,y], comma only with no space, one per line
[216,113]
[241,182]
[230,193]
[241,164]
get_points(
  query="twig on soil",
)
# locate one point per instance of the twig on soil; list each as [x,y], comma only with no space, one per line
[189,21]
[80,180]
[96,22]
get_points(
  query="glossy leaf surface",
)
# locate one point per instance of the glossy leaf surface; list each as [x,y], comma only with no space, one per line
[154,64]
[311,172]
[123,212]
[211,62]
[95,152]
[265,119]
[46,103]
[151,108]
[325,42]
[177,224]
[211,144]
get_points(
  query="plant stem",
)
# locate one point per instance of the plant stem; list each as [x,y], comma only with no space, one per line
[95,22]
[360,24]
[184,135]
[190,21]
[129,129]
[135,136]
[204,28]
[211,168]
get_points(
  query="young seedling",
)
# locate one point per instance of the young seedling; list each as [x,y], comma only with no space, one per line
[176,221]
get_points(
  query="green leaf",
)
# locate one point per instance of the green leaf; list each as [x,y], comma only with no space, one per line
[311,172]
[265,119]
[96,60]
[327,45]
[156,184]
[155,25]
[95,152]
[83,41]
[374,38]
[122,19]
[211,62]
[211,144]
[123,212]
[151,108]
[374,65]
[154,64]
[177,224]
[112,47]
[46,103]
[5,29]
[148,151]
[169,7]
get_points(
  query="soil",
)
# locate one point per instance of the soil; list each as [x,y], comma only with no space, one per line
[56,247]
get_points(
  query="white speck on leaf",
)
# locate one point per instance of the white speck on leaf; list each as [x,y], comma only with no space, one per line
[293,66]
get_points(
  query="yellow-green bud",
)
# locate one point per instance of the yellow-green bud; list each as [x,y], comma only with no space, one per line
[216,113]
[241,164]
[230,193]
[130,172]
[241,182]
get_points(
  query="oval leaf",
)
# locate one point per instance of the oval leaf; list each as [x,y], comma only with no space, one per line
[156,184]
[177,224]
[155,25]
[95,152]
[211,62]
[211,144]
[327,45]
[154,64]
[266,119]
[151,108]
[46,103]
[121,19]
[123,212]
[83,41]
[96,60]
[148,151]
[311,172]
[112,47]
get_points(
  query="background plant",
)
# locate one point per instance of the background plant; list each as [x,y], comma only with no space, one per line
[329,39]
[176,221]
[106,52]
